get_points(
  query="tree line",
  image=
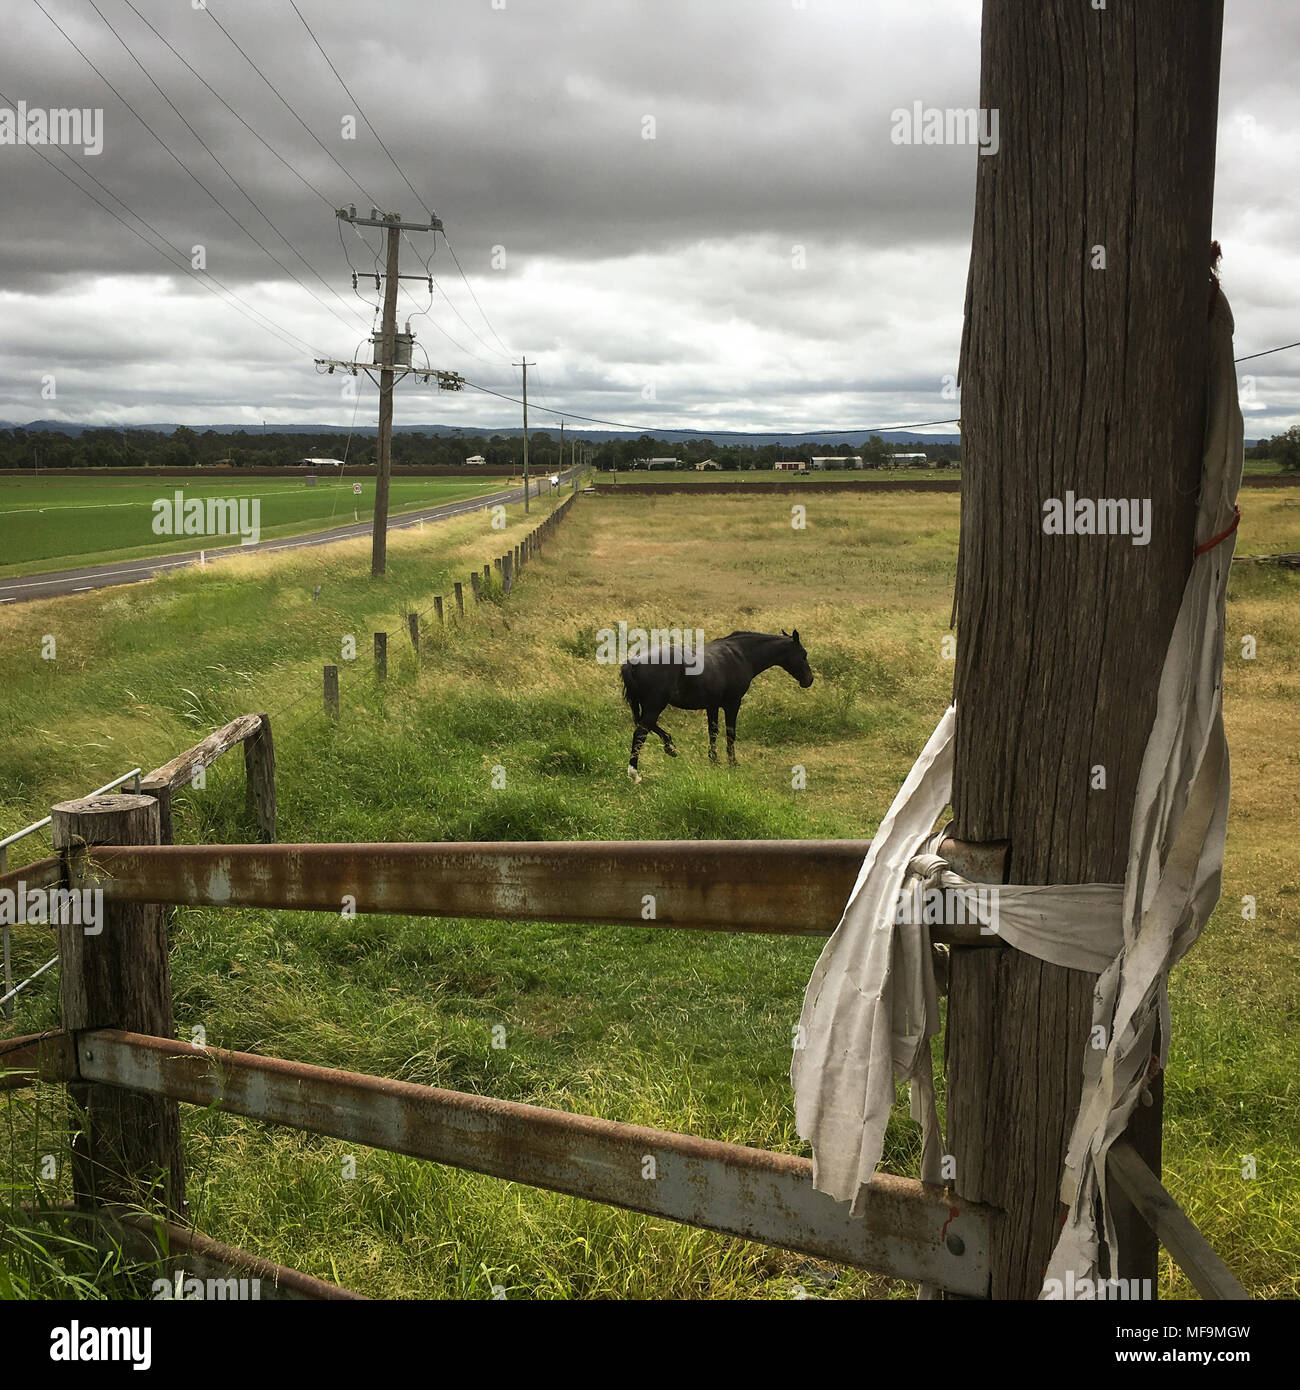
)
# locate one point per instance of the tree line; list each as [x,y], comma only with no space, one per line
[188,448]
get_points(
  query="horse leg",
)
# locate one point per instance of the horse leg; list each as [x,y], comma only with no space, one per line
[667,738]
[713,733]
[638,739]
[732,711]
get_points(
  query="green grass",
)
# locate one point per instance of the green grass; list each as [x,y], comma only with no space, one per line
[59,523]
[683,1031]
[771,475]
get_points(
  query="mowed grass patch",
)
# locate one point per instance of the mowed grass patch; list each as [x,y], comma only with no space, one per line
[679,1030]
[58,523]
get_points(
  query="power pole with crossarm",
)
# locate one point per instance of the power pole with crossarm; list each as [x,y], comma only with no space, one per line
[392,355]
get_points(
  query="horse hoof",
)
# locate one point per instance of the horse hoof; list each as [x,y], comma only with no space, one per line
[633,775]
[672,752]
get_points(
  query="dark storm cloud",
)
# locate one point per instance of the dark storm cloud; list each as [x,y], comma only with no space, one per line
[630,263]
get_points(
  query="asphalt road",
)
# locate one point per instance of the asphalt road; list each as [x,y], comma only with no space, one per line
[58,583]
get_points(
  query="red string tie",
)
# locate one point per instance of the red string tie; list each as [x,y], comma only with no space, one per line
[1222,536]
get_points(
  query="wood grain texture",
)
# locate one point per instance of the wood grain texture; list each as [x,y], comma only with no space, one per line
[259,778]
[1091,381]
[127,1147]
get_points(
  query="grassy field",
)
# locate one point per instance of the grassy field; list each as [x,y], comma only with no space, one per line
[686,1031]
[58,523]
[1254,467]
[770,475]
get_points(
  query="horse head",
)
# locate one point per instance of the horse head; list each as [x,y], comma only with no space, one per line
[795,660]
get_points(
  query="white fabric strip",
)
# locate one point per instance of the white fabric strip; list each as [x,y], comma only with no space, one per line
[872,1005]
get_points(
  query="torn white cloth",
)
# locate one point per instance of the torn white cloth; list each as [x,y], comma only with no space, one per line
[872,1004]
[1180,819]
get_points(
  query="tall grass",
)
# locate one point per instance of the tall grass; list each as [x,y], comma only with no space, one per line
[685,1031]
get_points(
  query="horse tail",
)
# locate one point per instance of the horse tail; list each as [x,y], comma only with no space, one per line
[629,691]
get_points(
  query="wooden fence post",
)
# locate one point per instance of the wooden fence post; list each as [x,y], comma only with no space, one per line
[474,585]
[332,692]
[460,598]
[413,624]
[114,974]
[507,573]
[381,655]
[437,607]
[259,778]
[487,576]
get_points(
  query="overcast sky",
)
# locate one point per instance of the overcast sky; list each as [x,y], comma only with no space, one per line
[652,280]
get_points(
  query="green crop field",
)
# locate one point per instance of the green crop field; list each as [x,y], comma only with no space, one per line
[59,523]
[684,1031]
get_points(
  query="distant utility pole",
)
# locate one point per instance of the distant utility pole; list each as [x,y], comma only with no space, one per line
[389,361]
[561,468]
[525,365]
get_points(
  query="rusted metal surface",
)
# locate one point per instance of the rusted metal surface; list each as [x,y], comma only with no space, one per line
[36,1057]
[788,887]
[1192,1253]
[41,873]
[980,863]
[909,1231]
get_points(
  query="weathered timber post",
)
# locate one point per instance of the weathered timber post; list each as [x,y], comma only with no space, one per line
[487,576]
[437,607]
[460,598]
[259,778]
[332,692]
[475,584]
[508,573]
[381,655]
[413,627]
[1082,370]
[127,1148]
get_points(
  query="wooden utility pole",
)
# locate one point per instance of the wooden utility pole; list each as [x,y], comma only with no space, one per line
[525,365]
[389,363]
[387,358]
[1082,370]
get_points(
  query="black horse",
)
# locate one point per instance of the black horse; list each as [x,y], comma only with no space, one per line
[725,669]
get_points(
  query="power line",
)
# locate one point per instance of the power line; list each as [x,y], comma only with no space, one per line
[207,281]
[717,434]
[1268,352]
[212,155]
[434,280]
[360,112]
[351,178]
[415,192]
[90,63]
[265,143]
[474,297]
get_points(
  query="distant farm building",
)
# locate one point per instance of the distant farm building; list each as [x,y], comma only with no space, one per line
[837,461]
[320,463]
[791,466]
[908,460]
[656,463]
[476,461]
[708,464]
